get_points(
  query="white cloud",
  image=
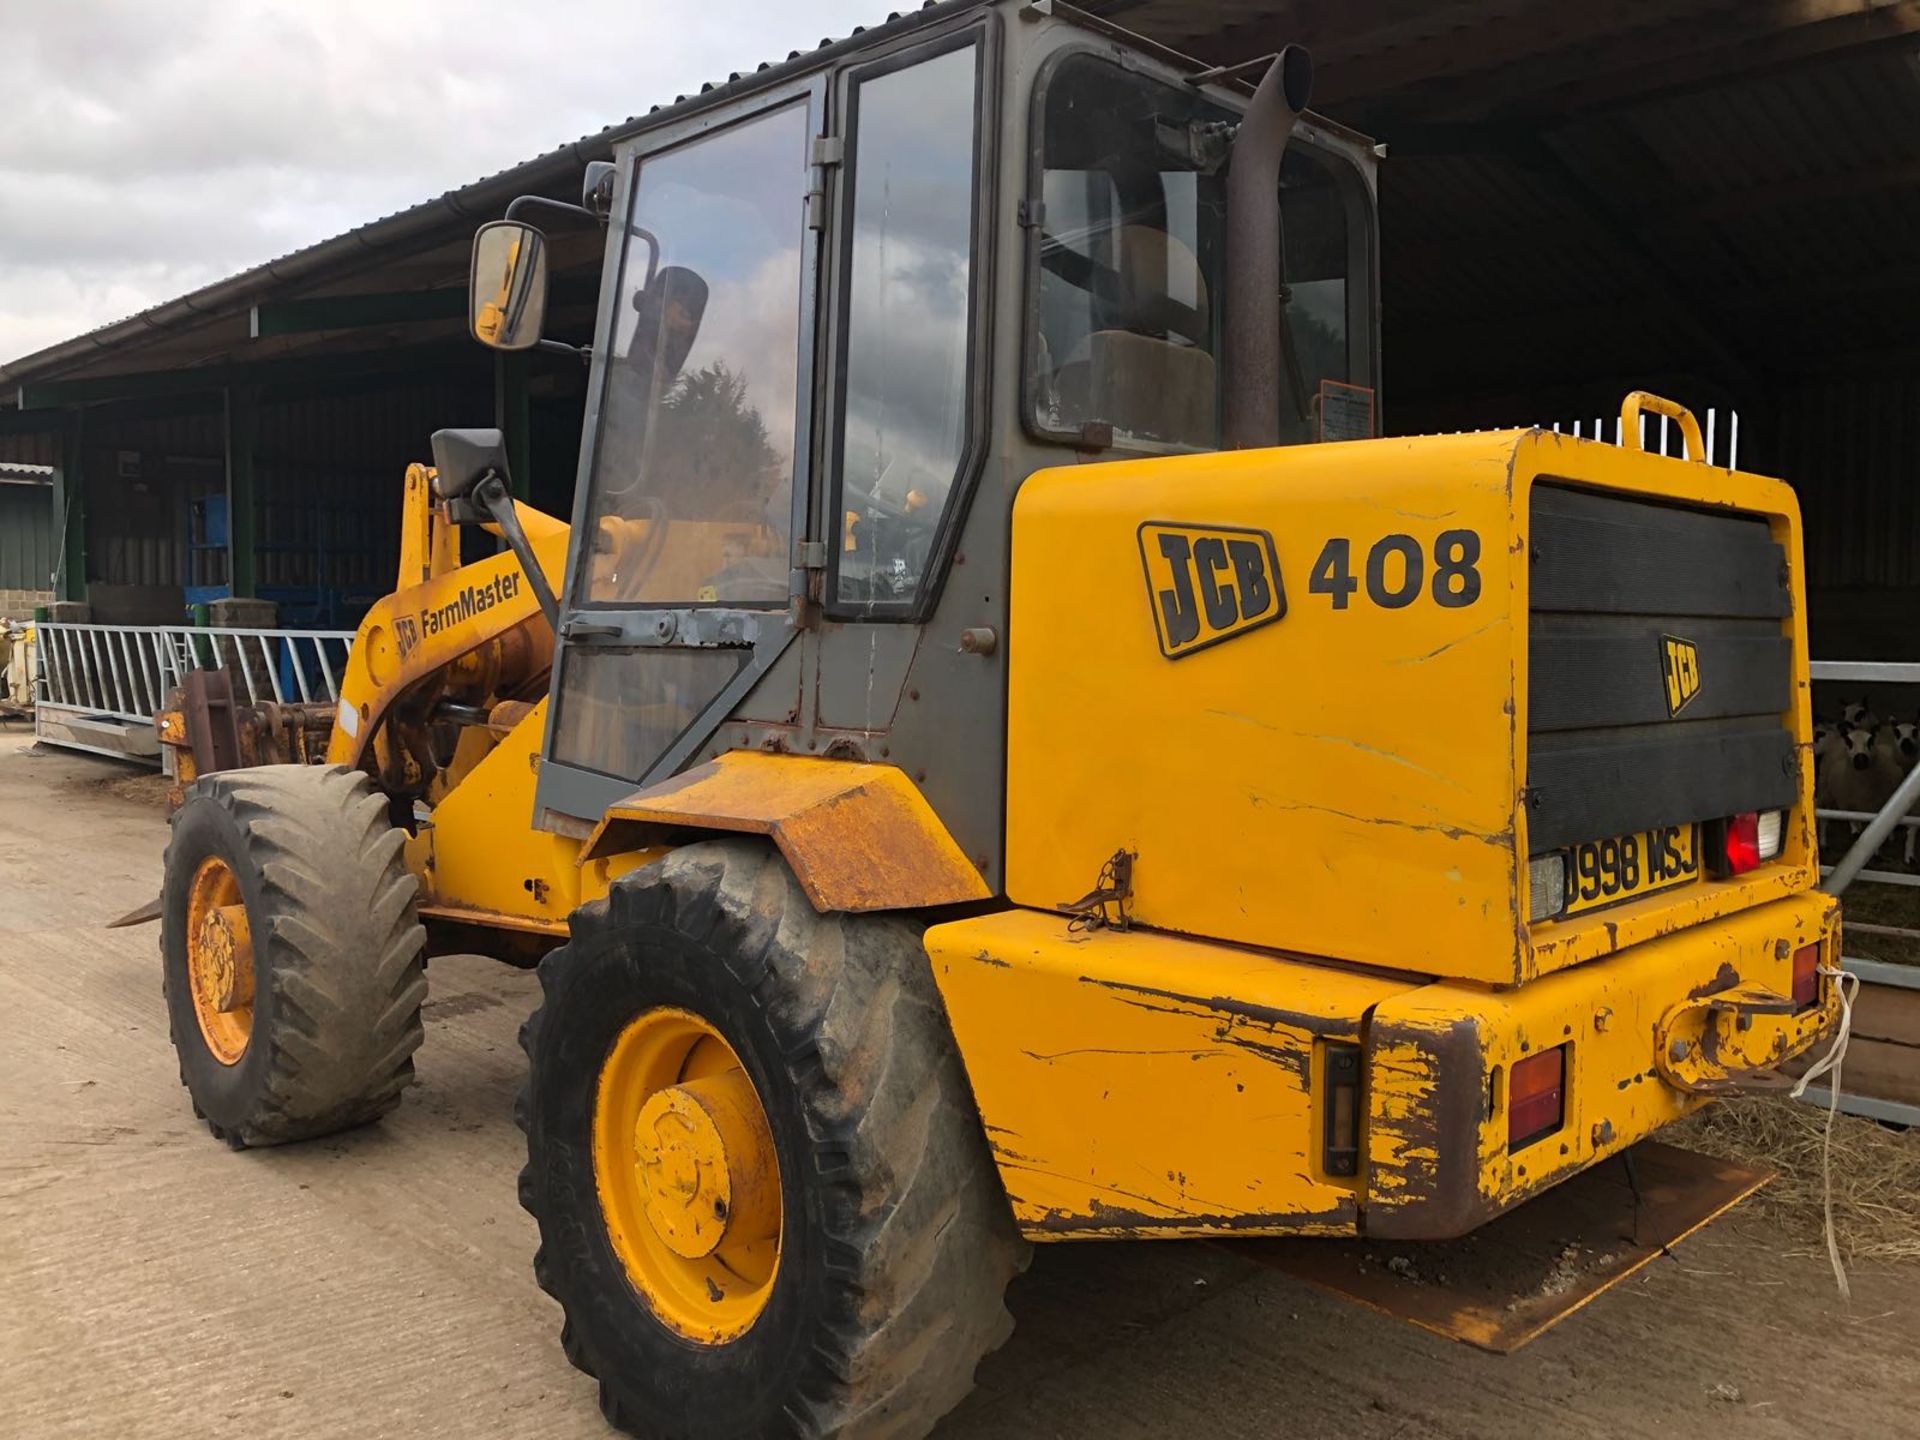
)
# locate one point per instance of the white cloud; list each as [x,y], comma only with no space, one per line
[149,149]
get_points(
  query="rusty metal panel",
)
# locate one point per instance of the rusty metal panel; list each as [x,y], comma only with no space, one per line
[1518,1276]
[859,836]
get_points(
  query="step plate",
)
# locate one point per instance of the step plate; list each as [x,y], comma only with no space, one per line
[1522,1273]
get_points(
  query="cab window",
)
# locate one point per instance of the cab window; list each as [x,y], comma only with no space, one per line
[906,366]
[1127,305]
[690,497]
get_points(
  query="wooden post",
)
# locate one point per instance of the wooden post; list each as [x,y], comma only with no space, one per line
[70,509]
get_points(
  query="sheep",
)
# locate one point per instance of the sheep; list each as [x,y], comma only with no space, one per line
[1860,774]
[1858,715]
[1906,742]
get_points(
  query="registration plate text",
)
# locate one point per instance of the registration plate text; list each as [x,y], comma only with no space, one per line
[1605,872]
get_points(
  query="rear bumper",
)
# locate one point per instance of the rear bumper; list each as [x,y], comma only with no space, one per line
[1637,1027]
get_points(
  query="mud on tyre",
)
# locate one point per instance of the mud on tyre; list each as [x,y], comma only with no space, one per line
[894,1238]
[290,953]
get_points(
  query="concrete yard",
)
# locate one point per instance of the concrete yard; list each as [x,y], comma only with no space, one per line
[152,1283]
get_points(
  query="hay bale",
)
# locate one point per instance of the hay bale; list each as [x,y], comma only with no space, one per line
[1876,1174]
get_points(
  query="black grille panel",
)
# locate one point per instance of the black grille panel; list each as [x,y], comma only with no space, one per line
[1601,554]
[1612,579]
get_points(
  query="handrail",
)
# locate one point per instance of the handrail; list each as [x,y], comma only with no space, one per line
[1638,400]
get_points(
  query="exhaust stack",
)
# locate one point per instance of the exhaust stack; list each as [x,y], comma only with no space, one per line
[1252,348]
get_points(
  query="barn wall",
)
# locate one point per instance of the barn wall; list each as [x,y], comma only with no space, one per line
[26,547]
[327,477]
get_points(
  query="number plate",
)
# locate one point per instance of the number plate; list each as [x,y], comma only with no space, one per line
[1605,872]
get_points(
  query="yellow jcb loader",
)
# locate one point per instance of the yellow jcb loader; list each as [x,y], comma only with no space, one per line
[1001,752]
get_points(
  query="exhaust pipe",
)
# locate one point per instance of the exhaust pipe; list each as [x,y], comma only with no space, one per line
[1252,340]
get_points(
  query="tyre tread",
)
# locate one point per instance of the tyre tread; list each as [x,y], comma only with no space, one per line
[344,948]
[918,1238]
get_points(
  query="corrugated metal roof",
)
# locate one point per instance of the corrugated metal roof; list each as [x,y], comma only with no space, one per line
[1639,188]
[553,170]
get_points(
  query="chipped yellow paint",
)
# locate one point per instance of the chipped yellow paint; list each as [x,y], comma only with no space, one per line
[1135,1084]
[1139,1084]
[1343,780]
[1440,1056]
[1400,1077]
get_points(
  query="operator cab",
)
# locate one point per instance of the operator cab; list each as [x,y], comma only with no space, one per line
[848,305]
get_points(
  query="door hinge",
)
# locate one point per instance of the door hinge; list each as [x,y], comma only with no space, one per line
[810,555]
[828,151]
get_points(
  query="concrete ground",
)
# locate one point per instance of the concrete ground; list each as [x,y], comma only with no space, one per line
[153,1283]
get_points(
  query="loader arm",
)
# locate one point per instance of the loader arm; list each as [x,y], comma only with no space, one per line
[421,630]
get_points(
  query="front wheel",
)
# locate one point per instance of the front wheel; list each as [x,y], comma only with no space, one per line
[765,1202]
[290,953]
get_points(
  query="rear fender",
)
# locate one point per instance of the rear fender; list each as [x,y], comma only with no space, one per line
[858,836]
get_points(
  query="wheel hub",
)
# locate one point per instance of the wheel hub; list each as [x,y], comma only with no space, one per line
[220,960]
[688,1179]
[226,945]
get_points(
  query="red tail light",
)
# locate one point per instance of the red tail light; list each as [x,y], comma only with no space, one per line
[1536,1094]
[1740,843]
[1806,976]
[1743,843]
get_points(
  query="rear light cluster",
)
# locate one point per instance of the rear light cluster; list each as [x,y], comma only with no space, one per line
[1546,886]
[1741,843]
[1536,1097]
[1806,976]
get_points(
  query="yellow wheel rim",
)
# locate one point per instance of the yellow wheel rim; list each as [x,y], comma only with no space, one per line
[220,960]
[689,1182]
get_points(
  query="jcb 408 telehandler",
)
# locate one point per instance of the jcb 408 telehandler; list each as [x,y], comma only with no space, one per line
[983,766]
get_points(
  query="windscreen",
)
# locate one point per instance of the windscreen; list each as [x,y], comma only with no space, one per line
[1126,326]
[691,494]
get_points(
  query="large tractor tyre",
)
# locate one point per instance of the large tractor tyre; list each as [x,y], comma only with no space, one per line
[766,1204]
[290,953]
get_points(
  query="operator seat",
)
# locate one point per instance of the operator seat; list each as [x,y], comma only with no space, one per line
[1154,376]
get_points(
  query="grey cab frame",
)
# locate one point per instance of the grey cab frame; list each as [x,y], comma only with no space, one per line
[900,683]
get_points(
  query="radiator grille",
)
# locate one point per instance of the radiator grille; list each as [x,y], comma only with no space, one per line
[1614,581]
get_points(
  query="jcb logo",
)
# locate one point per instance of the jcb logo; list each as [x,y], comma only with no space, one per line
[1209,583]
[1680,664]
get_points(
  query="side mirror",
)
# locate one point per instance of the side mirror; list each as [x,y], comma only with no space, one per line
[596,188]
[507,290]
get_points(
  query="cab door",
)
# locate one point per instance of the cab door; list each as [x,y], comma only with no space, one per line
[694,479]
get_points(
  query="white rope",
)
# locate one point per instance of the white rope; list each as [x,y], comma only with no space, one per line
[1830,1062]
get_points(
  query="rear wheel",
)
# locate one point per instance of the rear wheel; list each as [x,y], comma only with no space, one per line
[290,953]
[766,1205]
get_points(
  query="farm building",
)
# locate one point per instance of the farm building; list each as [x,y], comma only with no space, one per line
[1706,199]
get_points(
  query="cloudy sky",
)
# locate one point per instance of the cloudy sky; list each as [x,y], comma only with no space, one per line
[151,146]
